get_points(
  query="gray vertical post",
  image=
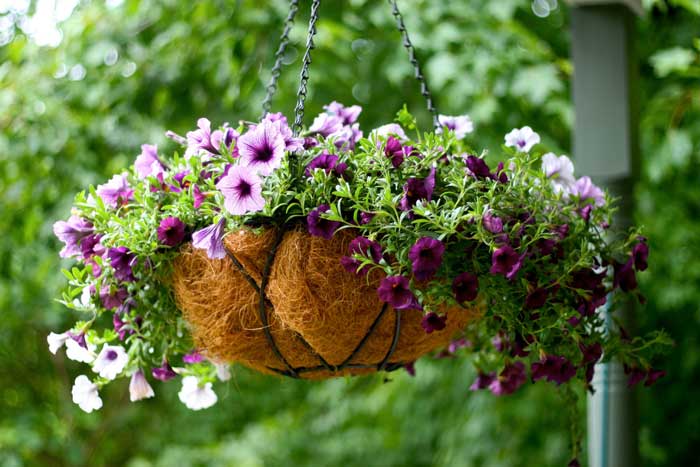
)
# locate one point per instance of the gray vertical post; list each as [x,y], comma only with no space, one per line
[605,146]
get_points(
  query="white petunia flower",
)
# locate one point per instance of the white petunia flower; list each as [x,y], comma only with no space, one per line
[460,125]
[390,129]
[561,172]
[111,361]
[56,341]
[139,387]
[522,139]
[79,353]
[85,394]
[194,396]
[223,371]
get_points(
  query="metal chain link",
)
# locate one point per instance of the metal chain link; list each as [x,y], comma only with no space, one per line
[414,61]
[279,56]
[304,76]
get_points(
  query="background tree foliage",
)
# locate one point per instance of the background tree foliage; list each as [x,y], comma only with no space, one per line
[126,71]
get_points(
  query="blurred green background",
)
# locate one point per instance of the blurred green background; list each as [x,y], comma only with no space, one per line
[84,83]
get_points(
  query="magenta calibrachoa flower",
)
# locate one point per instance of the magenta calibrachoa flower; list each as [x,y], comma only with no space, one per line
[211,239]
[506,261]
[433,322]
[509,380]
[417,189]
[364,247]
[164,372]
[556,369]
[242,190]
[395,291]
[122,261]
[465,287]
[319,226]
[426,257]
[171,231]
[328,163]
[116,192]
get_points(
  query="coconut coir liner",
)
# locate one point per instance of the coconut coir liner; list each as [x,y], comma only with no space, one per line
[310,295]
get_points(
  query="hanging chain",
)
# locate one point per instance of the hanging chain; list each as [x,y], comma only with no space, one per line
[304,77]
[279,56]
[414,61]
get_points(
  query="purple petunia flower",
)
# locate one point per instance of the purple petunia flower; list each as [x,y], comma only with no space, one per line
[426,257]
[396,292]
[198,197]
[224,137]
[72,232]
[111,300]
[417,189]
[326,124]
[193,357]
[171,231]
[122,261]
[482,381]
[364,247]
[347,137]
[348,115]
[262,148]
[319,226]
[279,121]
[394,151]
[164,372]
[465,287]
[116,192]
[242,190]
[90,247]
[505,260]
[211,239]
[509,380]
[588,192]
[522,139]
[148,163]
[460,125]
[556,369]
[492,223]
[433,322]
[200,139]
[328,163]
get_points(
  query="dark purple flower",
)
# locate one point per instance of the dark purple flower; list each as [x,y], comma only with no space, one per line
[477,166]
[465,287]
[585,212]
[364,247]
[310,142]
[624,276]
[394,151]
[556,369]
[112,299]
[410,368]
[71,233]
[90,247]
[327,162]
[501,173]
[591,353]
[536,298]
[193,357]
[395,291]
[225,137]
[119,326]
[122,261]
[211,239]
[640,253]
[511,378]
[634,375]
[482,381]
[426,257]
[590,372]
[366,217]
[171,231]
[653,376]
[164,372]
[320,227]
[505,260]
[457,344]
[574,463]
[116,192]
[433,322]
[492,223]
[417,189]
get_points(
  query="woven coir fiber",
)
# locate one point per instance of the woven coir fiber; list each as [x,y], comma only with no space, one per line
[310,295]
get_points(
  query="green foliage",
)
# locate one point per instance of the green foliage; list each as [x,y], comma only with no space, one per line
[72,115]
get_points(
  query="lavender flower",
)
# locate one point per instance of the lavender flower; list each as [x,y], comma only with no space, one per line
[465,287]
[242,189]
[122,261]
[395,291]
[326,124]
[279,121]
[348,115]
[505,260]
[460,125]
[522,139]
[71,233]
[200,139]
[171,231]
[433,322]
[561,172]
[390,129]
[587,191]
[426,257]
[364,247]
[319,226]
[211,239]
[262,148]
[492,223]
[116,192]
[148,163]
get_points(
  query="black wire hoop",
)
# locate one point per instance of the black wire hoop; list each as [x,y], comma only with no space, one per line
[265,306]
